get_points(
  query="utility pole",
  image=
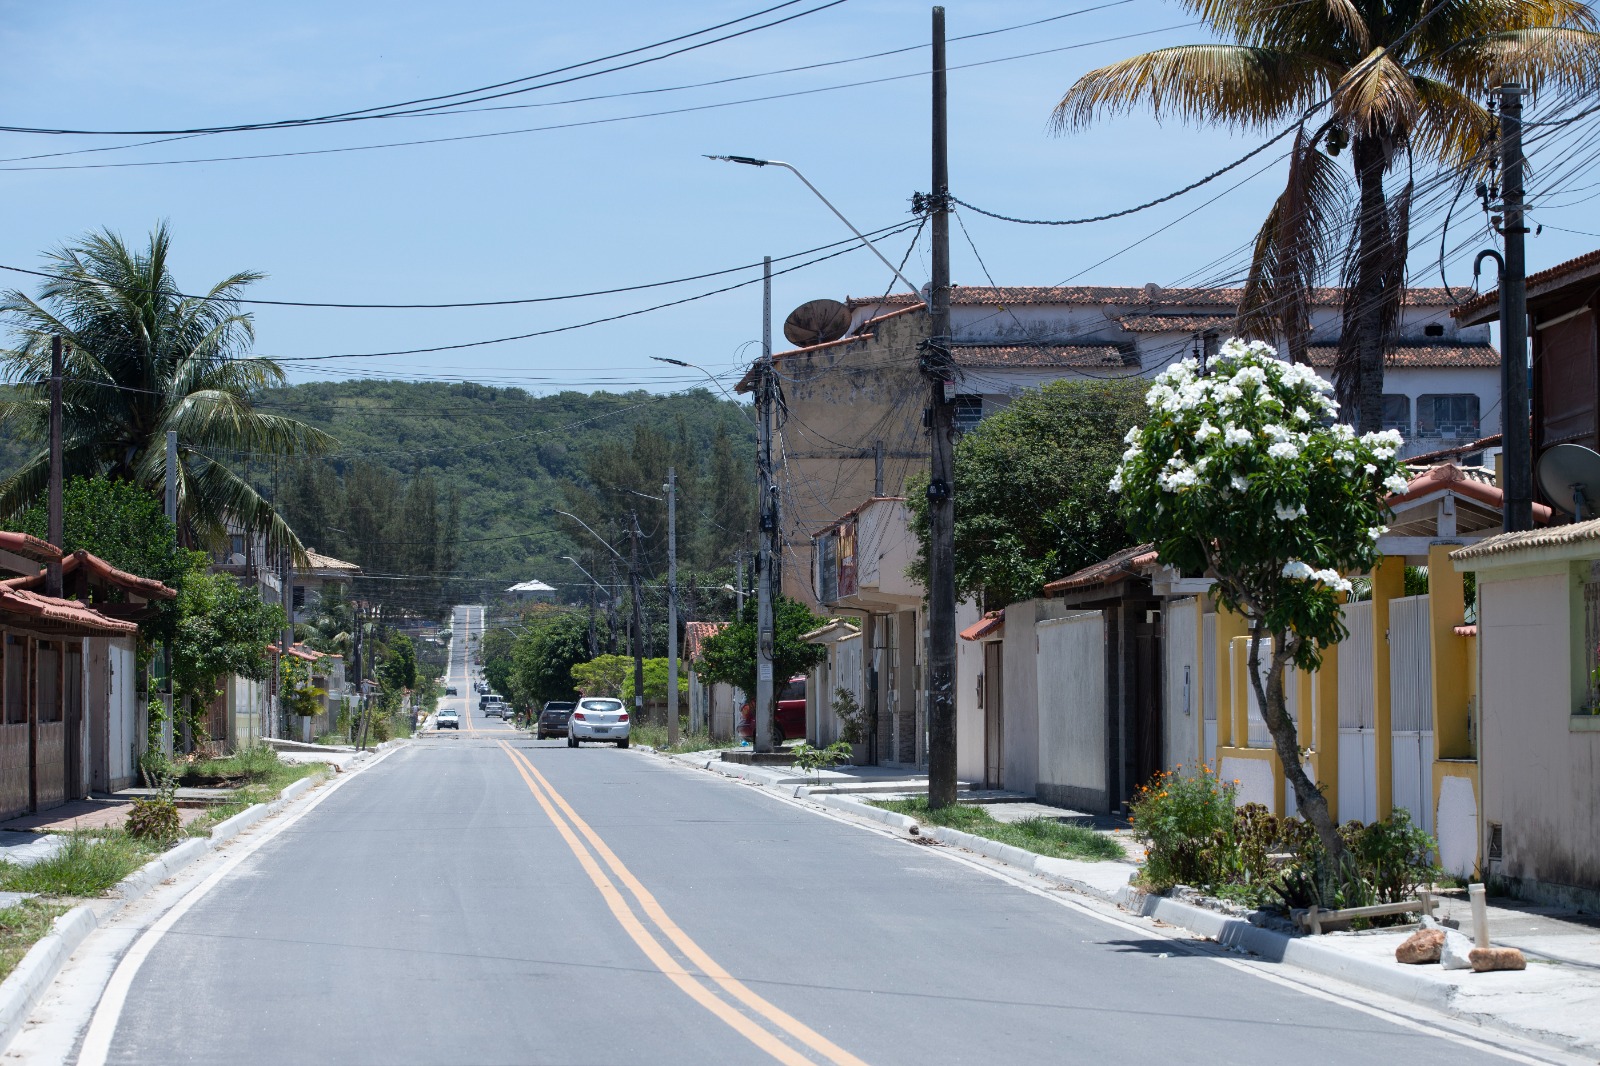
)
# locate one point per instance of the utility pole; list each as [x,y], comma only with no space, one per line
[940,370]
[612,624]
[768,533]
[1518,447]
[54,512]
[172,516]
[672,606]
[638,617]
[286,637]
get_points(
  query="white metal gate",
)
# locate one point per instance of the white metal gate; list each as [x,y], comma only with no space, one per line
[1208,649]
[1181,691]
[1358,752]
[1411,707]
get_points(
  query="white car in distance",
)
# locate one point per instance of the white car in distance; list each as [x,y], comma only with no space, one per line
[598,719]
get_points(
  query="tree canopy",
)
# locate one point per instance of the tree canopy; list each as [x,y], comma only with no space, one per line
[1029,481]
[141,358]
[1401,81]
[729,655]
[1236,476]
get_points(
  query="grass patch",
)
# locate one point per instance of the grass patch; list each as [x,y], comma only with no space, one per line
[251,766]
[1044,836]
[248,796]
[89,864]
[23,926]
[655,735]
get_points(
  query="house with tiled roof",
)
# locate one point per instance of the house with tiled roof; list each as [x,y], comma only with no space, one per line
[851,430]
[1565,353]
[713,706]
[71,713]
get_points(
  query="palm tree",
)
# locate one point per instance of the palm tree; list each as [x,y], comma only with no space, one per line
[142,358]
[1403,79]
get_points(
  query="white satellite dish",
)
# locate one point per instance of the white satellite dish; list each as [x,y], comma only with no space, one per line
[1569,474]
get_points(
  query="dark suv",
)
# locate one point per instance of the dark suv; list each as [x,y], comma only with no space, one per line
[553,719]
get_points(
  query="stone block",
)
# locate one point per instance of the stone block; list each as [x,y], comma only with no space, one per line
[1422,946]
[1487,959]
[1457,948]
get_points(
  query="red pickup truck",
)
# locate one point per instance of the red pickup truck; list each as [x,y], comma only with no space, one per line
[791,718]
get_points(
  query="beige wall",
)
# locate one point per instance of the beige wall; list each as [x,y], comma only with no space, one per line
[841,400]
[1539,776]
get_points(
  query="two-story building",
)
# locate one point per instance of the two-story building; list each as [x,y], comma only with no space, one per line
[852,431]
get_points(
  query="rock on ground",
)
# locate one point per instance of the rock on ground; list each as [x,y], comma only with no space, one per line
[1422,946]
[1487,959]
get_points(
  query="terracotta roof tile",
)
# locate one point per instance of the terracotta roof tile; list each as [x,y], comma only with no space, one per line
[28,546]
[1129,562]
[92,564]
[694,636]
[1538,285]
[978,356]
[48,612]
[988,625]
[1462,483]
[1118,296]
[1323,356]
[1174,323]
[1554,536]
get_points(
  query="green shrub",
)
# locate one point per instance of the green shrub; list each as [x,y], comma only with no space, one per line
[811,760]
[1186,823]
[155,819]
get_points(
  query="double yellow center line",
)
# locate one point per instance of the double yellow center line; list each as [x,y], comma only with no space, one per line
[759,1021]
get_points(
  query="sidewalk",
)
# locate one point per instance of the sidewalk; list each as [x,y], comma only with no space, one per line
[1555,1001]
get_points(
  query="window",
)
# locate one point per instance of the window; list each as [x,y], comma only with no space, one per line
[1448,416]
[968,413]
[1433,329]
[1397,412]
[298,597]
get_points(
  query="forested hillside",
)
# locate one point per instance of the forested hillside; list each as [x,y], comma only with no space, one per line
[463,481]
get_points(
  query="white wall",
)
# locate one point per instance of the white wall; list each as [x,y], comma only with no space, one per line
[969,715]
[1021,697]
[1181,691]
[1071,686]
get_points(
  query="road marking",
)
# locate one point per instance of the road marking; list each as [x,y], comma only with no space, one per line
[103,1025]
[658,956]
[697,955]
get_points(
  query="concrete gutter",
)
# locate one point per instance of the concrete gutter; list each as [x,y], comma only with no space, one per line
[22,989]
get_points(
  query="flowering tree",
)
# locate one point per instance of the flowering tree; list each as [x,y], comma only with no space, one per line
[1242,476]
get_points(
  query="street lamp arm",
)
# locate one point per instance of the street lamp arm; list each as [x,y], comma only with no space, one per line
[592,533]
[791,168]
[588,575]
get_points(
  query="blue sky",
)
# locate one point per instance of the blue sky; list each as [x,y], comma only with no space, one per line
[608,204]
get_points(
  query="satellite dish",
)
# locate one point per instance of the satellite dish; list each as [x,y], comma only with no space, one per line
[816,322]
[1570,477]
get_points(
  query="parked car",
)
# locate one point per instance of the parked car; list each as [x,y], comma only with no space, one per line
[790,720]
[447,720]
[494,710]
[450,690]
[553,719]
[597,718]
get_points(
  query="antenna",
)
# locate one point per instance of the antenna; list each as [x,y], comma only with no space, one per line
[816,322]
[1569,474]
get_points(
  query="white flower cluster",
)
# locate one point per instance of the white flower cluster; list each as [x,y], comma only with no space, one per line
[1295,570]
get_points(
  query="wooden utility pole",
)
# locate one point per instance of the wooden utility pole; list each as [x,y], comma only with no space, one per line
[55,517]
[672,606]
[637,639]
[1518,447]
[939,368]
[767,541]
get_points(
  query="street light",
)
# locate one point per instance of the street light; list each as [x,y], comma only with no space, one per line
[750,161]
[709,377]
[588,575]
[593,534]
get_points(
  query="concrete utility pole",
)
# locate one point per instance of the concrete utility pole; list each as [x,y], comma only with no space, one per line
[939,368]
[1516,443]
[768,533]
[172,516]
[672,606]
[638,616]
[55,517]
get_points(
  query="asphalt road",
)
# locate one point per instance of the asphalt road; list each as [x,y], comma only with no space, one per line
[486,898]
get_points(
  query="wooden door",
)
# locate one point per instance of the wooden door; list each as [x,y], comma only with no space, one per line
[50,728]
[15,796]
[994,734]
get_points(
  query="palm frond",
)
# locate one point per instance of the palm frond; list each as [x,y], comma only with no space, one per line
[1377,97]
[1292,249]
[1453,127]
[1245,86]
[1538,58]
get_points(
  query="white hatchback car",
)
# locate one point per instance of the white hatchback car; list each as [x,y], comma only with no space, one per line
[597,718]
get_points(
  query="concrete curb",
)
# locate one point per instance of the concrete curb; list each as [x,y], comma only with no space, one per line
[1404,983]
[26,984]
